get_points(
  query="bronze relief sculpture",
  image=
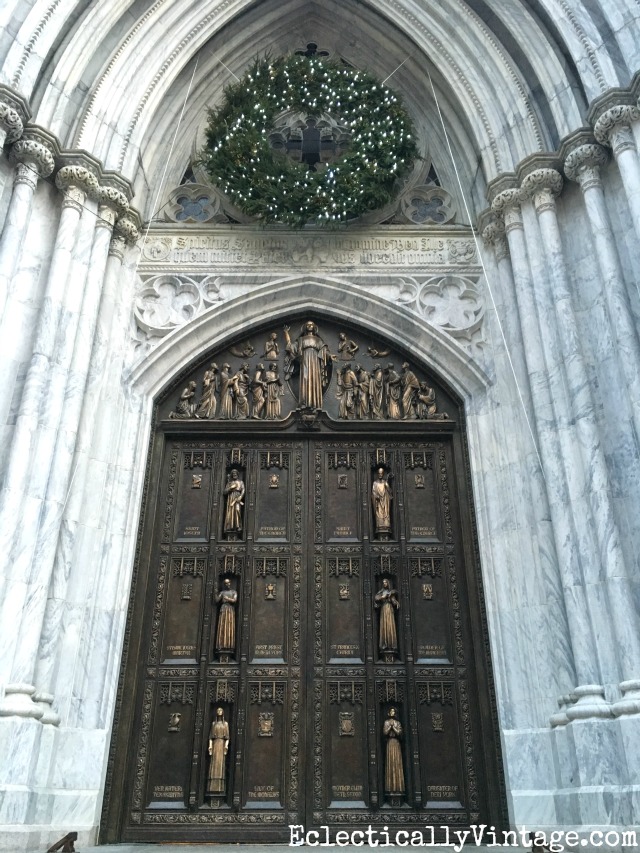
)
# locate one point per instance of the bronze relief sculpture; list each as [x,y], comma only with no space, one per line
[310,356]
[186,408]
[208,403]
[255,390]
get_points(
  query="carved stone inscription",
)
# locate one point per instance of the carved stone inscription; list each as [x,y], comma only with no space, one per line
[228,249]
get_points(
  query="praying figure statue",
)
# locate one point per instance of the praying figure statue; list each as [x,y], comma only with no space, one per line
[227,598]
[381,500]
[186,408]
[218,749]
[393,769]
[386,601]
[234,492]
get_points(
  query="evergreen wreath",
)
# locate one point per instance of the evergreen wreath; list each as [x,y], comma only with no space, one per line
[268,184]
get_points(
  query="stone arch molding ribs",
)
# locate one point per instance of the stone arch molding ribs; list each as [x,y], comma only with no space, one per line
[331,297]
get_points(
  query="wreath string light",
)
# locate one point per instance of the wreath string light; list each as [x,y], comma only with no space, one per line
[268,184]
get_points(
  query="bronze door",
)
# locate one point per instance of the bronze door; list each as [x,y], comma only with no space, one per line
[321,592]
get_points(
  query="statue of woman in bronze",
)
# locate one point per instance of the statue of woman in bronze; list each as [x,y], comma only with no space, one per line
[386,600]
[227,598]
[234,491]
[218,748]
[314,360]
[393,769]
[381,500]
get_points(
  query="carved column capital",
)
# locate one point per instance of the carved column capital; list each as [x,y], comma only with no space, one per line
[542,186]
[506,200]
[117,246]
[35,153]
[583,165]
[494,235]
[506,206]
[11,122]
[73,197]
[77,176]
[76,183]
[106,217]
[26,175]
[127,228]
[613,127]
[113,198]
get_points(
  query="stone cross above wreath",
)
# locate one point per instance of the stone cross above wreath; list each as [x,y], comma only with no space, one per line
[307,140]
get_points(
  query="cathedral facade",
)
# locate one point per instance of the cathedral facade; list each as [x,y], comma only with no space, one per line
[378,482]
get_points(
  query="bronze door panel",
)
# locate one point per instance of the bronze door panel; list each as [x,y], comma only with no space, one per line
[308,648]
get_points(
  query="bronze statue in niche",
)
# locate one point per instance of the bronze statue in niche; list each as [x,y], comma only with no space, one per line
[381,498]
[227,598]
[386,601]
[234,493]
[218,749]
[394,786]
[310,357]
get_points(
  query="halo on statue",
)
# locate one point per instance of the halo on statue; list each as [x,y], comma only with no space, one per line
[304,139]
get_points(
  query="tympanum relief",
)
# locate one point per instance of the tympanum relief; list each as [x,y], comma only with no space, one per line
[307,370]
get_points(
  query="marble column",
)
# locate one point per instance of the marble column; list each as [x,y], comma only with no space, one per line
[613,128]
[539,581]
[542,186]
[583,644]
[34,157]
[583,165]
[27,579]
[80,403]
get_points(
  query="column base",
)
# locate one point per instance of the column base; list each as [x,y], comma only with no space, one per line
[590,703]
[560,718]
[630,702]
[18,701]
[45,701]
